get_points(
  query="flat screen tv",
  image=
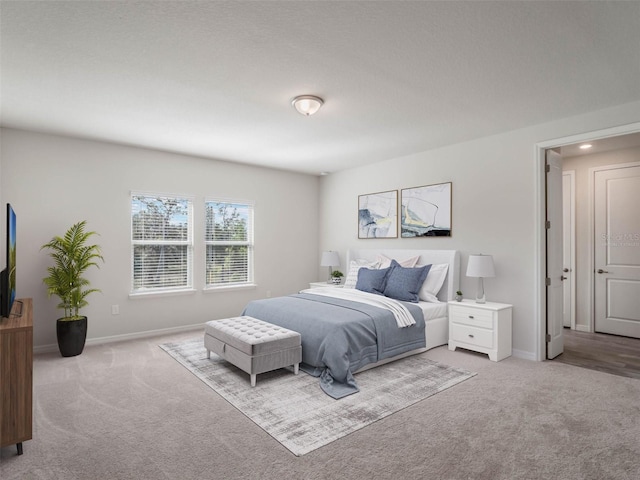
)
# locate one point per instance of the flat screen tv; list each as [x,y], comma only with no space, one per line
[8,275]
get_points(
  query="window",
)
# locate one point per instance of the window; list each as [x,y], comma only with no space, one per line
[229,241]
[162,243]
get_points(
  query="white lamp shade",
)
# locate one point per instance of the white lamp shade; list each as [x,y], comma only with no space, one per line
[480,266]
[330,259]
[307,104]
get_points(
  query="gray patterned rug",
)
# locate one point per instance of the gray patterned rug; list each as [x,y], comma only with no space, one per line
[292,408]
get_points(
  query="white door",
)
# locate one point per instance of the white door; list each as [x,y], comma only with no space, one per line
[617,250]
[555,340]
[568,248]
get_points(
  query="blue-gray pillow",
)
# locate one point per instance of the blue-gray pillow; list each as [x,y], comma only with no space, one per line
[372,280]
[404,283]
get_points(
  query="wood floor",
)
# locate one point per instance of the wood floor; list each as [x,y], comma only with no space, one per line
[599,351]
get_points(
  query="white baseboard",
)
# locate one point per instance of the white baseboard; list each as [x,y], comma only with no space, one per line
[524,354]
[53,347]
[120,338]
[583,328]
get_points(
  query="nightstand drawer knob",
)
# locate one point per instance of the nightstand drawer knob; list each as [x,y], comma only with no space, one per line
[471,316]
[470,336]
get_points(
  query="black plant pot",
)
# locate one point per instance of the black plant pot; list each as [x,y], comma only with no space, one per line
[71,336]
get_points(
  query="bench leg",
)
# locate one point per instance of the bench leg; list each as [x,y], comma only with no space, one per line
[295,368]
[208,354]
[253,379]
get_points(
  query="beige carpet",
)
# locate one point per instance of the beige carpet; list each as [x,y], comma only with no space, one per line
[297,413]
[127,410]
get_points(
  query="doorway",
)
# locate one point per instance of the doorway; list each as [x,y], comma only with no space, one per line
[584,310]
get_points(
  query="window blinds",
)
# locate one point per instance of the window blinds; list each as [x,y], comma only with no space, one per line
[162,242]
[229,243]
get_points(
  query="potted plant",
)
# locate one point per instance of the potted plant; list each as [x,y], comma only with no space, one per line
[459,296]
[72,256]
[336,277]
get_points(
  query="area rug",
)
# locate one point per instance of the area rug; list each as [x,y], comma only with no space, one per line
[297,413]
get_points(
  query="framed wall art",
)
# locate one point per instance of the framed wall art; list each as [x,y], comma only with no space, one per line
[378,215]
[426,211]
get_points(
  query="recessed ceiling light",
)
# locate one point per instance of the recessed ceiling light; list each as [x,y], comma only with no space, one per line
[585,146]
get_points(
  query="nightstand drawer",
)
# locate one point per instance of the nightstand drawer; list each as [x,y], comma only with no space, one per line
[472,335]
[472,316]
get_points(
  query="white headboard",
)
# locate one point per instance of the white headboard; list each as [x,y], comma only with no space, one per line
[452,257]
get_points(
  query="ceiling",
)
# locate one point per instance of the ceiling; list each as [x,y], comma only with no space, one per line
[216,79]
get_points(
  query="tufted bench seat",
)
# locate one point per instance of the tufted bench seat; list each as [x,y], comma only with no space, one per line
[252,345]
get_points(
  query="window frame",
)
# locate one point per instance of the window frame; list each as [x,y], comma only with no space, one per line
[249,243]
[189,243]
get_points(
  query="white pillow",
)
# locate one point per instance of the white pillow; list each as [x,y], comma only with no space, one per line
[432,285]
[352,274]
[385,262]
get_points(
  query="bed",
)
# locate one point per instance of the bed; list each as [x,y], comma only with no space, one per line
[345,331]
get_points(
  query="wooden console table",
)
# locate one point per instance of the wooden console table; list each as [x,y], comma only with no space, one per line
[16,374]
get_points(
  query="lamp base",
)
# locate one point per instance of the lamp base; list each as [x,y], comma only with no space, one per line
[480,298]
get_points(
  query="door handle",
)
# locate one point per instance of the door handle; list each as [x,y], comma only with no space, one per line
[563,278]
[565,270]
[602,271]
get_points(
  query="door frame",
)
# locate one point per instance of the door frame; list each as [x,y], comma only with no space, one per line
[572,240]
[540,254]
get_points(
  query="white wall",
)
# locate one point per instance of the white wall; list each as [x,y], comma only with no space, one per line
[496,205]
[54,181]
[581,164]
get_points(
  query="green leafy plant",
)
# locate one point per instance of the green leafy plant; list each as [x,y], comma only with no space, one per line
[459,293]
[72,257]
[337,274]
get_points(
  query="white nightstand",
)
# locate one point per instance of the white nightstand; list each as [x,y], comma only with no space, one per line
[482,327]
[324,284]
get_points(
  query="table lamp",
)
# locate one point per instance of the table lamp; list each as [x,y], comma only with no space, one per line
[329,259]
[480,266]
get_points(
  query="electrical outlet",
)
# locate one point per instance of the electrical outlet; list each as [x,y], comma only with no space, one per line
[115,309]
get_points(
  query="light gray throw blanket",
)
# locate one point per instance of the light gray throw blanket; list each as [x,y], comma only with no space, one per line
[340,336]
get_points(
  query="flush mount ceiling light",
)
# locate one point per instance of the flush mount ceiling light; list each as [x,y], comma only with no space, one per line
[585,146]
[307,104]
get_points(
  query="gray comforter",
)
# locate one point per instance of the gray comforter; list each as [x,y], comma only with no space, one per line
[340,336]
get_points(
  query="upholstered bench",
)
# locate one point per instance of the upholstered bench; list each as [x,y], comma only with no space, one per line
[252,345]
